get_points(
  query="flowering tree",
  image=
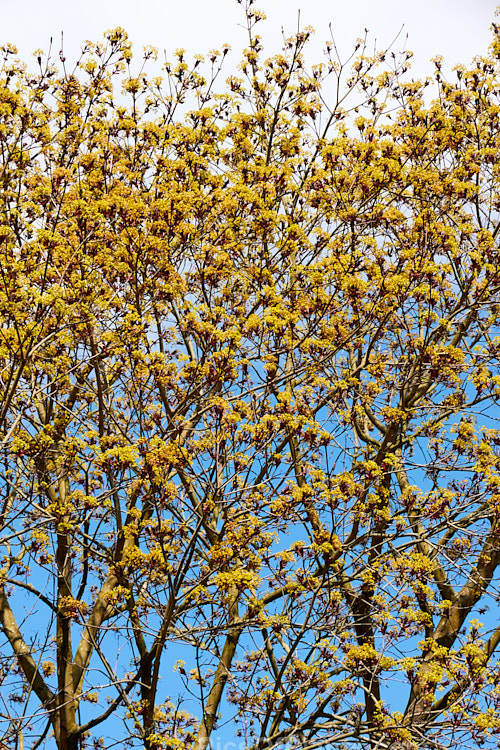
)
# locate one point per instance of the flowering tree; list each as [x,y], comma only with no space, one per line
[249,365]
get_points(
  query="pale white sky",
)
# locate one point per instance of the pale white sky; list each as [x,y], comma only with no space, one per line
[457,29]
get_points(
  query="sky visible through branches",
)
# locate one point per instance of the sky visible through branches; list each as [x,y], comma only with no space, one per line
[249,413]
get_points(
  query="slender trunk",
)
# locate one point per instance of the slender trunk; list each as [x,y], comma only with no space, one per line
[218,685]
[221,675]
[66,706]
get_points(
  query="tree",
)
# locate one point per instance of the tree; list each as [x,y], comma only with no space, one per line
[250,381]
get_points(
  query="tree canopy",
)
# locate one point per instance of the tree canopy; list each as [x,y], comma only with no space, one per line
[249,374]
